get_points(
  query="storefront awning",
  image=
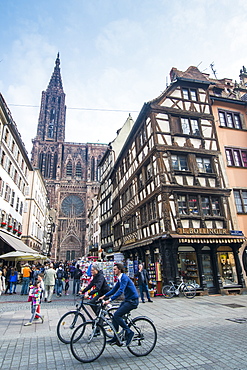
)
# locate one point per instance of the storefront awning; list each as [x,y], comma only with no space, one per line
[208,238]
[15,243]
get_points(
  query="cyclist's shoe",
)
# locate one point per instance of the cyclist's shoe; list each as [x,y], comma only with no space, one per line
[129,337]
[28,323]
[112,341]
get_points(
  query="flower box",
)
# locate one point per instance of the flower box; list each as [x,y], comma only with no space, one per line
[3,223]
[10,227]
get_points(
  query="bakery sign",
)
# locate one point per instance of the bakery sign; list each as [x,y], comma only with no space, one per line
[202,231]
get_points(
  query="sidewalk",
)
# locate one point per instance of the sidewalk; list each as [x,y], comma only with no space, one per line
[192,334]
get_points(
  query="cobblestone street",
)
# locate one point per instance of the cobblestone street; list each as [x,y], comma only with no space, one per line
[192,334]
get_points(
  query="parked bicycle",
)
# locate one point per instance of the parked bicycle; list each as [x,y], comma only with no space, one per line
[89,339]
[188,290]
[72,319]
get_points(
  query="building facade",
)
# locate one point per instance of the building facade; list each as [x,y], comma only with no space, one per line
[229,105]
[69,169]
[170,197]
[14,171]
[36,213]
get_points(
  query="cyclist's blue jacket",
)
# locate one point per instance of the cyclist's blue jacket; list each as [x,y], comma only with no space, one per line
[126,287]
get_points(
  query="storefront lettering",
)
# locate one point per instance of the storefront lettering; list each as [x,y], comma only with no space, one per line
[203,231]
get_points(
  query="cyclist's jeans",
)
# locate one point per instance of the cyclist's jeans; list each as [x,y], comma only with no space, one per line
[124,308]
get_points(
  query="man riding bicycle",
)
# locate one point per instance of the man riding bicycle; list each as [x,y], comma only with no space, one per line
[123,286]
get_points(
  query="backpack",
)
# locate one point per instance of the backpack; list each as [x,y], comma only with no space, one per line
[60,274]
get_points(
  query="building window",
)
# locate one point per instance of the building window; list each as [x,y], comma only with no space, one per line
[190,126]
[149,171]
[69,169]
[199,205]
[7,193]
[179,162]
[3,158]
[12,198]
[21,208]
[204,164]
[78,171]
[6,135]
[17,204]
[230,119]
[140,181]
[236,157]
[189,94]
[240,200]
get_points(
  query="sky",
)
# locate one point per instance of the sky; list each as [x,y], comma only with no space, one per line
[115,55]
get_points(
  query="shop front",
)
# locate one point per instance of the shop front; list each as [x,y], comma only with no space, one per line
[211,262]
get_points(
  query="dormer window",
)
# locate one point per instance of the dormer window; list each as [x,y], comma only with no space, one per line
[189,94]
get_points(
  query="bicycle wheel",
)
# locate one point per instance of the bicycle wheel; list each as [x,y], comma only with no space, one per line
[108,330]
[145,336]
[67,324]
[168,291]
[88,342]
[189,291]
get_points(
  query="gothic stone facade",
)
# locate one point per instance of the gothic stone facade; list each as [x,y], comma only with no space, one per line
[70,171]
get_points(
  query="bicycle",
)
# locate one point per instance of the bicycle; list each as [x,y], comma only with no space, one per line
[89,339]
[72,319]
[188,290]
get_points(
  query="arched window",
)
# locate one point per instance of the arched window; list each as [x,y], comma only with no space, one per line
[93,169]
[54,173]
[69,169]
[78,171]
[47,165]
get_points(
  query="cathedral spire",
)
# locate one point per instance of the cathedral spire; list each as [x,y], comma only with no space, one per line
[56,79]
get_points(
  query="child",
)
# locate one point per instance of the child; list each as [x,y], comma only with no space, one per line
[42,287]
[34,296]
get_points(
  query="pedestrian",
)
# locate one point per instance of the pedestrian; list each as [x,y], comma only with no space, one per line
[34,297]
[71,270]
[26,273]
[124,286]
[66,278]
[143,279]
[7,281]
[59,283]
[77,279]
[42,287]
[2,283]
[98,285]
[49,281]
[13,280]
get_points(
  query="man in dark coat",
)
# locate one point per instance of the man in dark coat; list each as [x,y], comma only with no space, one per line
[99,283]
[143,279]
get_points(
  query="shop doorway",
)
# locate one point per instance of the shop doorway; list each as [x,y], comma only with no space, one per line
[226,266]
[187,265]
[207,270]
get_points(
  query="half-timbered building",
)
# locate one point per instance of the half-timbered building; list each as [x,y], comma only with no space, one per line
[170,198]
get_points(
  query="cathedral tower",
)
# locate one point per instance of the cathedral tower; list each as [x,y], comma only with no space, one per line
[70,171]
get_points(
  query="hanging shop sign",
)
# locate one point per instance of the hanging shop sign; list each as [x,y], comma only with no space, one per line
[203,231]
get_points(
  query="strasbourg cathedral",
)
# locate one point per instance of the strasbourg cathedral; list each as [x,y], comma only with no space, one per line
[70,171]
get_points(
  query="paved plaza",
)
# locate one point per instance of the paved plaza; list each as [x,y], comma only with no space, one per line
[202,333]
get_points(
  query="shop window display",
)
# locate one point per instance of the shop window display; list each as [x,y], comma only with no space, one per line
[187,266]
[227,268]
